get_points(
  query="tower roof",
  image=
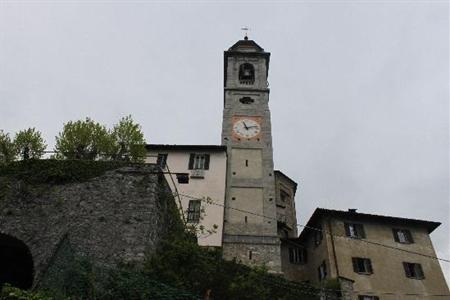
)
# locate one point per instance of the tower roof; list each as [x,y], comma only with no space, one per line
[246,45]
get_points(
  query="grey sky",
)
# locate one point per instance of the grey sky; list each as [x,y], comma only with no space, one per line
[359,91]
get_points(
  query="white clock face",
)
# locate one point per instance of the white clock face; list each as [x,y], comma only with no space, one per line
[246,128]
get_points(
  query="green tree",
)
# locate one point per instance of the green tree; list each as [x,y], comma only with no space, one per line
[84,140]
[6,148]
[129,142]
[29,144]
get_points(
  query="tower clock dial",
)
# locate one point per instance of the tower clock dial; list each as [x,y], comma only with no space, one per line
[246,128]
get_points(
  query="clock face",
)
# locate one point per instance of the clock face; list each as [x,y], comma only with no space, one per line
[246,128]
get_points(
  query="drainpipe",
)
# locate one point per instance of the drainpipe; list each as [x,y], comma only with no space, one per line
[330,230]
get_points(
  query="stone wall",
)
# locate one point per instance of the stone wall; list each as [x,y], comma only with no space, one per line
[119,216]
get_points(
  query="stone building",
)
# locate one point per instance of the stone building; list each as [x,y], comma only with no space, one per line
[196,175]
[345,245]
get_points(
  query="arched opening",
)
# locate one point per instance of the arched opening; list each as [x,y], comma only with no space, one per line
[16,263]
[246,74]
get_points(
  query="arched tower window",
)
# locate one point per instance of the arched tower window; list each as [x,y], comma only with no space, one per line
[247,74]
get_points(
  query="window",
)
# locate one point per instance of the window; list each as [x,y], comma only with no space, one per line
[318,236]
[354,230]
[402,236]
[366,297]
[297,255]
[362,265]
[413,270]
[199,161]
[246,74]
[162,160]
[183,178]
[194,211]
[322,270]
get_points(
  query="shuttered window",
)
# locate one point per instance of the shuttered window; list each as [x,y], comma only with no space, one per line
[402,236]
[198,161]
[413,270]
[194,211]
[354,230]
[362,265]
[297,255]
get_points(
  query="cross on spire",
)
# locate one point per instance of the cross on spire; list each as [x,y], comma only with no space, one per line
[245,29]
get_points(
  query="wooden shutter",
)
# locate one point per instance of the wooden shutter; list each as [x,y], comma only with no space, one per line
[360,231]
[206,161]
[191,161]
[347,229]
[369,266]
[409,236]
[407,270]
[394,232]
[355,264]
[419,271]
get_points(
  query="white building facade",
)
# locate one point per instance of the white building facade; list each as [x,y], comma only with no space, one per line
[196,175]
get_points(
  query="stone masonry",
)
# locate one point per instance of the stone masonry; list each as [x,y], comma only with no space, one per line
[119,216]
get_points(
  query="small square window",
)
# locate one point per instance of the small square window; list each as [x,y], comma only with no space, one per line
[183,178]
[162,160]
[362,265]
[402,236]
[354,230]
[297,255]
[413,270]
[194,211]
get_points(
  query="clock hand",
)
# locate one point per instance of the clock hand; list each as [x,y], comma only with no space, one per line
[245,125]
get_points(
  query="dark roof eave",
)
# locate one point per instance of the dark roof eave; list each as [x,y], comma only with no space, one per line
[211,148]
[323,212]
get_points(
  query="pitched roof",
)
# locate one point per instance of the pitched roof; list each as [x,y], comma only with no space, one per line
[353,215]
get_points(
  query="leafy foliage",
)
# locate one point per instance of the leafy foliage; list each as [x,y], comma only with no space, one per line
[29,144]
[185,265]
[84,140]
[128,139]
[7,151]
[11,293]
[56,171]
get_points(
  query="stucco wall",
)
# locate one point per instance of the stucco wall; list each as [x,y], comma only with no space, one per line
[388,272]
[212,186]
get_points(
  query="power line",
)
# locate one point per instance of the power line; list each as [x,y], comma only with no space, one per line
[320,230]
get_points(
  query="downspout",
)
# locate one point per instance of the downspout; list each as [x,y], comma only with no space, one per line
[330,230]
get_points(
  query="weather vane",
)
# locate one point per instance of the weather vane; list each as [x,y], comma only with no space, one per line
[246,29]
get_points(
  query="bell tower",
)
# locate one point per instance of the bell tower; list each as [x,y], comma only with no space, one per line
[246,131]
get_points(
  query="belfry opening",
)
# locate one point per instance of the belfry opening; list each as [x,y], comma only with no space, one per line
[16,263]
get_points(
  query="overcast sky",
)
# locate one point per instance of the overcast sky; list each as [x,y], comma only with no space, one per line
[359,91]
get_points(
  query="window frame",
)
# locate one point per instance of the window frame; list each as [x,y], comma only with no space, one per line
[194,211]
[354,230]
[199,161]
[161,160]
[366,264]
[417,270]
[297,255]
[406,233]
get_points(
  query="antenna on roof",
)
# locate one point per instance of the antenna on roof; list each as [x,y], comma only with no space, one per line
[246,29]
